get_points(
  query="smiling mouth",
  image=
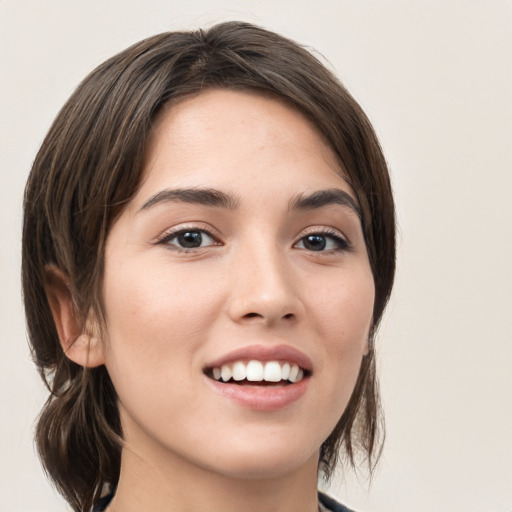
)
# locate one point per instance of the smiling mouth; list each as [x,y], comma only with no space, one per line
[258,373]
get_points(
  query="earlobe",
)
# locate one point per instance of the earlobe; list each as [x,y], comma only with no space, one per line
[86,350]
[78,342]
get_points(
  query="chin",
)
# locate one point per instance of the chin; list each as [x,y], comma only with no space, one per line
[257,463]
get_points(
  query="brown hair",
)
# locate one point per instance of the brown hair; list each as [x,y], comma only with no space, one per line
[90,165]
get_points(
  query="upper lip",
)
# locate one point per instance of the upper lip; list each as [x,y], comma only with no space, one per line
[265,353]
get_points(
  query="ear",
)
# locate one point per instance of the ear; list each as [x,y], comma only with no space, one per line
[79,342]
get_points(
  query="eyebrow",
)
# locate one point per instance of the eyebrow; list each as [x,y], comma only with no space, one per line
[216,198]
[326,197]
[204,196]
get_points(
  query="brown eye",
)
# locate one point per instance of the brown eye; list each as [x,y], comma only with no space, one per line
[314,242]
[189,239]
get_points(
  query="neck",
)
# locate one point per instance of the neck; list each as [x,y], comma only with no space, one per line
[177,485]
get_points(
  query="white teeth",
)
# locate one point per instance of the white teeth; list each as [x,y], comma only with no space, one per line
[256,371]
[294,372]
[226,372]
[239,372]
[272,372]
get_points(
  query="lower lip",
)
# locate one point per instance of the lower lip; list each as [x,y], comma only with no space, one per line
[261,398]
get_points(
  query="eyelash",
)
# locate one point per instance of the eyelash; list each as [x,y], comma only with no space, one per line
[166,238]
[342,244]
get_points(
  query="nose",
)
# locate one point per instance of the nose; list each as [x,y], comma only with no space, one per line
[264,288]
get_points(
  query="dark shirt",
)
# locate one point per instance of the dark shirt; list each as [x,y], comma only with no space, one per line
[332,505]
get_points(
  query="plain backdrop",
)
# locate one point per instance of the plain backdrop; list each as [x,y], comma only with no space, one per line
[435,78]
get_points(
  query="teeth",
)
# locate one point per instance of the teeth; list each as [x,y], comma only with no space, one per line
[294,372]
[225,372]
[285,371]
[256,371]
[239,371]
[272,372]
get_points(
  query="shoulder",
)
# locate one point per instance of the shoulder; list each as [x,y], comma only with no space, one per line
[329,504]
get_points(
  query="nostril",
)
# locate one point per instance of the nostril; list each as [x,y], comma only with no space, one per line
[288,316]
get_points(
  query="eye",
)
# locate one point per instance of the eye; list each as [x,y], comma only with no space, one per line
[188,239]
[322,241]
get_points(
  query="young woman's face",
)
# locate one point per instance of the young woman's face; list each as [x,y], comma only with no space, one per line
[242,253]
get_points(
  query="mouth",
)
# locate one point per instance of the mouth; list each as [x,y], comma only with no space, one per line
[258,373]
[263,378]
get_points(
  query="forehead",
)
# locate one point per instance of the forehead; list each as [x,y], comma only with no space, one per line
[237,139]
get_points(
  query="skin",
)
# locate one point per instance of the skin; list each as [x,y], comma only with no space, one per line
[254,281]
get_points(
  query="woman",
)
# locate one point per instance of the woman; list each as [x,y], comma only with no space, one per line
[208,249]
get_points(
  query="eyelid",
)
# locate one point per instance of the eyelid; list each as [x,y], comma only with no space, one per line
[169,233]
[187,226]
[326,231]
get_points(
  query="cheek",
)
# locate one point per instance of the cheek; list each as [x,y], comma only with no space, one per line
[341,309]
[344,310]
[156,325]
[166,313]
[343,315]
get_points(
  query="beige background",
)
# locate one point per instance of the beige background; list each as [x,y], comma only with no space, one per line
[435,78]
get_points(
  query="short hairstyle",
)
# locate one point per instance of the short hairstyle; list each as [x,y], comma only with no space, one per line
[90,165]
